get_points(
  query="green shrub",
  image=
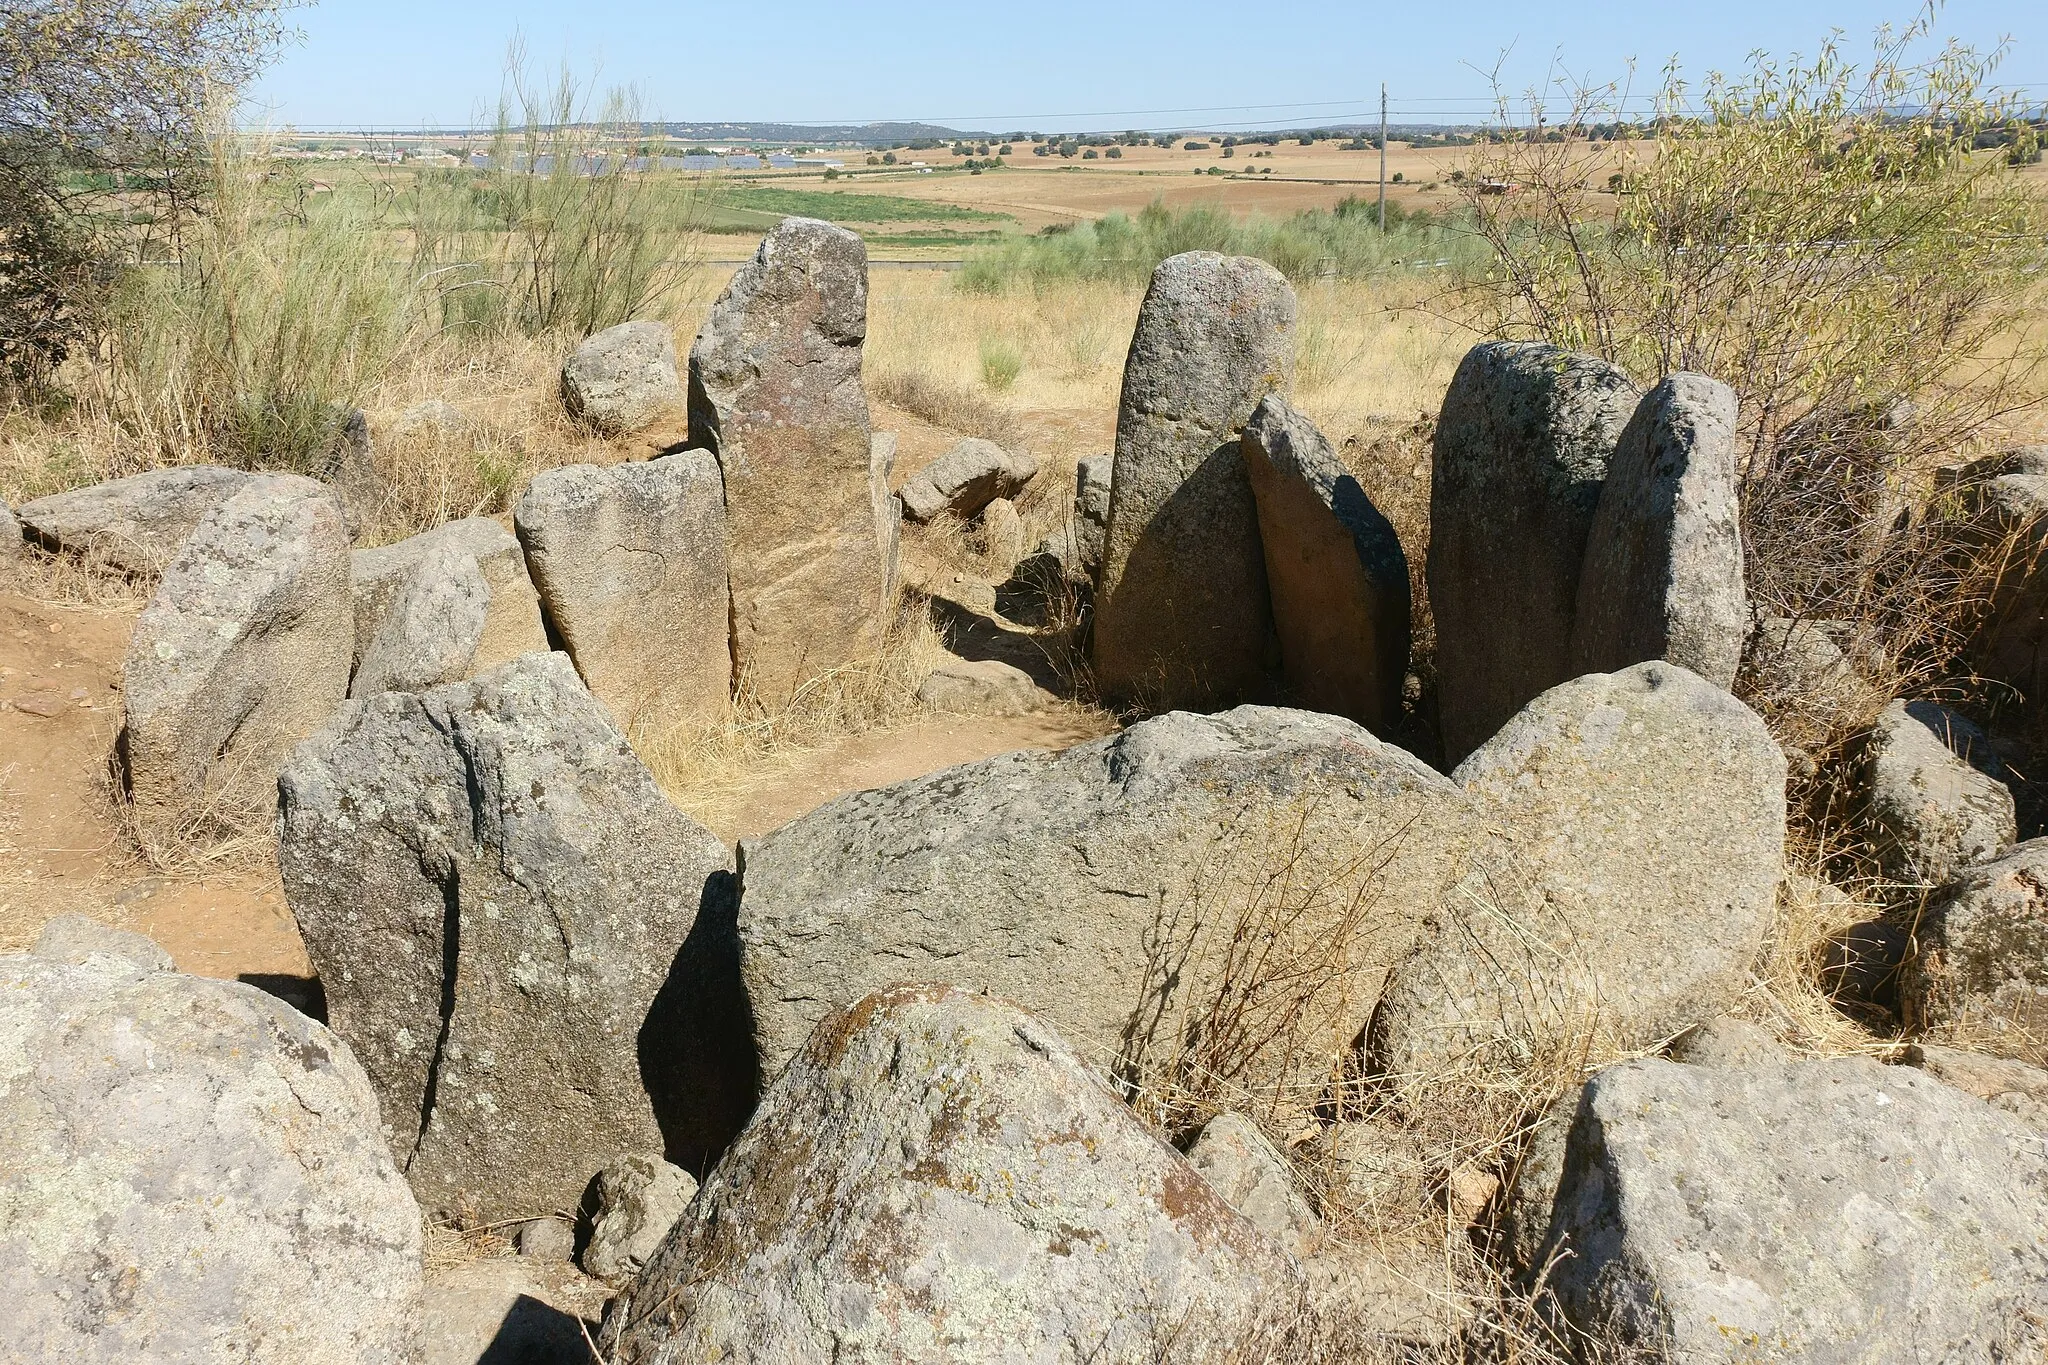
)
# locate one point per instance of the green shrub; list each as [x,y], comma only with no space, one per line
[1002,360]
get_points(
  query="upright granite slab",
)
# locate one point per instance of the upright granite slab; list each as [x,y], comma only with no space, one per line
[630,562]
[1522,447]
[1338,578]
[775,393]
[1662,577]
[1182,619]
[497,898]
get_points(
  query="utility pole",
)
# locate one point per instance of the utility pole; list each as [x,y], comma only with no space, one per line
[1383,156]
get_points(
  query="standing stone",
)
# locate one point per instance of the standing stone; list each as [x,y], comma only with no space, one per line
[430,635]
[888,509]
[965,479]
[1339,580]
[134,524]
[1521,449]
[1663,572]
[352,473]
[190,1170]
[512,624]
[242,652]
[630,561]
[1932,813]
[639,1198]
[1825,1211]
[1091,513]
[494,893]
[1102,886]
[938,1177]
[1981,971]
[775,393]
[1182,619]
[10,541]
[1647,809]
[622,378]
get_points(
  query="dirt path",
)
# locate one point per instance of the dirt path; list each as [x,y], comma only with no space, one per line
[63,850]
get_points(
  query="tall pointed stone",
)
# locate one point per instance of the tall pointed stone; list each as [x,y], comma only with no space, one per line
[1339,580]
[1663,572]
[775,393]
[1521,450]
[1181,618]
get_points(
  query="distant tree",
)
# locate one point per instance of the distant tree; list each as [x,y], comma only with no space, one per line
[1398,177]
[1089,155]
[888,158]
[831,172]
[1005,150]
[1306,140]
[1229,150]
[1114,153]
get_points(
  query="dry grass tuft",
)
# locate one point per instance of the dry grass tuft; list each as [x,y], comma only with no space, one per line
[946,404]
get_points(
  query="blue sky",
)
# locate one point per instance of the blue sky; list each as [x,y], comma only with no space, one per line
[1052,66]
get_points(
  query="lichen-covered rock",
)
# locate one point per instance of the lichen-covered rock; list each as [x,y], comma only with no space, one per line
[965,479]
[11,542]
[1521,452]
[639,1198]
[1662,577]
[630,563]
[76,939]
[622,378]
[937,1176]
[1647,810]
[191,1171]
[512,625]
[134,524]
[1182,617]
[1102,886]
[1092,475]
[775,393]
[1244,1167]
[431,632]
[2015,1087]
[1981,971]
[242,652]
[1827,1211]
[497,899]
[1338,578]
[1932,813]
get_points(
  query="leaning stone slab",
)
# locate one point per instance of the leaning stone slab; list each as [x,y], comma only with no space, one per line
[2014,1087]
[1101,886]
[1662,577]
[775,393]
[134,524]
[938,1176]
[622,378]
[1981,971]
[630,563]
[1647,810]
[512,625]
[1242,1165]
[966,479]
[1338,578]
[431,633]
[1814,1211]
[1182,618]
[192,1171]
[495,894]
[242,652]
[1932,812]
[1521,450]
[1092,476]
